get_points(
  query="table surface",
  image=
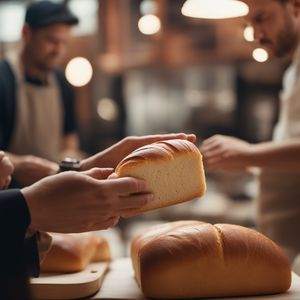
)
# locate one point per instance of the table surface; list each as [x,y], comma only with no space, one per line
[119,283]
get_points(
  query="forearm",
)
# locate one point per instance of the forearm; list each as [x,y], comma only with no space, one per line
[15,159]
[280,157]
[29,169]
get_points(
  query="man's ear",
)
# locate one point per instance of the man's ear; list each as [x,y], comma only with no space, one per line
[26,32]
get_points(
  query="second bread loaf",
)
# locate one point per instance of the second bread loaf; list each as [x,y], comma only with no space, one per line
[191,259]
[73,252]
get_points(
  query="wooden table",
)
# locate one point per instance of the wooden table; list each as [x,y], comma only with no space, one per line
[119,283]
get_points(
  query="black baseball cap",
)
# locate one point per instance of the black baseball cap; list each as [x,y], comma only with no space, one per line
[44,13]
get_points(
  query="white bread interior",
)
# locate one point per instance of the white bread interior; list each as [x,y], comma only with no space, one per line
[191,259]
[173,171]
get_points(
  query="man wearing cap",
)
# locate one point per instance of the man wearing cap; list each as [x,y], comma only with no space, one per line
[37,122]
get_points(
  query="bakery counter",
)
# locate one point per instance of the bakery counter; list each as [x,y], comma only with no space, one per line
[119,283]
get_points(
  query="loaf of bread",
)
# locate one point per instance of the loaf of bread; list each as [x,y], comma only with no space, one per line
[173,171]
[191,259]
[73,252]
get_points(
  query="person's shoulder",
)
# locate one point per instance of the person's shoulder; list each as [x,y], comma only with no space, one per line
[7,81]
[5,69]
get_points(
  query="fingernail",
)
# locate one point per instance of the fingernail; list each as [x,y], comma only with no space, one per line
[116,221]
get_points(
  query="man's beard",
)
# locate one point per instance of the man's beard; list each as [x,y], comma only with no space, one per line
[286,41]
[44,64]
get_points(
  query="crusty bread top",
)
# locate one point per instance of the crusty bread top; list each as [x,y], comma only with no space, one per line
[187,240]
[163,150]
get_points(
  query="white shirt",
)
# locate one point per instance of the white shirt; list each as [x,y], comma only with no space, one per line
[279,199]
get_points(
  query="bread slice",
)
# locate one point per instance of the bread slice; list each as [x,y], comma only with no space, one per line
[191,259]
[173,171]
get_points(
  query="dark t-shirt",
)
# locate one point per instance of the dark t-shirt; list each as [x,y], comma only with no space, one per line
[8,102]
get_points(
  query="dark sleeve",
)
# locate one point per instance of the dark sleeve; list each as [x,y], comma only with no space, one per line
[7,103]
[14,221]
[2,112]
[68,101]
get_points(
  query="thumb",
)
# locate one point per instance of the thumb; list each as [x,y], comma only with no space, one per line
[98,173]
[113,176]
[1,155]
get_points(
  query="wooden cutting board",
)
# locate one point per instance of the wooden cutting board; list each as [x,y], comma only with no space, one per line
[69,286]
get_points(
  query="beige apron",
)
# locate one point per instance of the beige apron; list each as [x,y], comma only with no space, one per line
[39,128]
[279,199]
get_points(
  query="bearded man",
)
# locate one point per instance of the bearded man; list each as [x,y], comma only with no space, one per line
[276,26]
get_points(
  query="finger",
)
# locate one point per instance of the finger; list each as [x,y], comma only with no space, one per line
[213,138]
[2,184]
[192,138]
[111,222]
[7,182]
[205,149]
[46,166]
[182,136]
[135,201]
[213,153]
[1,155]
[98,173]
[113,176]
[211,142]
[212,163]
[127,185]
[6,167]
[161,137]
[53,168]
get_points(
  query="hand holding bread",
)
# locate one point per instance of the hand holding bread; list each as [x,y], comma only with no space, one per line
[82,201]
[110,157]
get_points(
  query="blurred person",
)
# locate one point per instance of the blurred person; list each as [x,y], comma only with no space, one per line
[276,26]
[37,121]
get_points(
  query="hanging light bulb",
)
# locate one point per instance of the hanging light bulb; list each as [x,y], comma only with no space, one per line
[214,9]
[107,109]
[249,34]
[79,71]
[260,55]
[149,24]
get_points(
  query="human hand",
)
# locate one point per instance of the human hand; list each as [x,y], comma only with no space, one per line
[225,153]
[29,169]
[6,169]
[113,155]
[82,201]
